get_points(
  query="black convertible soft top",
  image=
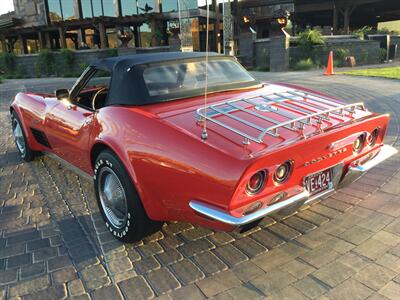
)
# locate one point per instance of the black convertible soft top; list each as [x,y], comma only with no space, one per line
[127,85]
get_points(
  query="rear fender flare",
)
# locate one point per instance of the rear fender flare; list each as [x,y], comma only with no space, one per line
[122,155]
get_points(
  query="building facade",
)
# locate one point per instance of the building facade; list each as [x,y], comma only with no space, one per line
[83,24]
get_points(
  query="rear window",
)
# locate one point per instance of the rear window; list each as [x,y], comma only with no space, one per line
[177,78]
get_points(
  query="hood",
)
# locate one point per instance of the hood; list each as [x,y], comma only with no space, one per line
[233,127]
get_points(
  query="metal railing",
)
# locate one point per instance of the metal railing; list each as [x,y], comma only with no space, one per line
[293,105]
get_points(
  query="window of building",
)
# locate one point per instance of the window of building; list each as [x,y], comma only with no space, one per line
[97,8]
[61,10]
[128,7]
[169,5]
[108,8]
[87,11]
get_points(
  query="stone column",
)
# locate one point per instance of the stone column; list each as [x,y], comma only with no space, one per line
[216,24]
[61,33]
[279,53]
[42,39]
[103,36]
[22,42]
[3,43]
[246,48]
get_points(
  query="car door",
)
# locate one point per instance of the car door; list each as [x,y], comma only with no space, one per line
[68,124]
[68,128]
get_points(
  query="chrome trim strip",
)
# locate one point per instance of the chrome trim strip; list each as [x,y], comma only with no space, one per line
[224,217]
[69,166]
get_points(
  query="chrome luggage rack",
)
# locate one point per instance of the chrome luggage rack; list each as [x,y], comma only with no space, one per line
[321,108]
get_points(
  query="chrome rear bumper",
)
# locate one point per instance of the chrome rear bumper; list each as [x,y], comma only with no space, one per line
[352,174]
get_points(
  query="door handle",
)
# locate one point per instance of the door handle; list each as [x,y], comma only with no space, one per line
[71,106]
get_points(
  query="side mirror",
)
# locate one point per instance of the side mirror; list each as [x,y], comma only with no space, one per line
[62,94]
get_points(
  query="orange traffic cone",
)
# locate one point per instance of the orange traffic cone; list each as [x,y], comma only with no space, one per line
[329,68]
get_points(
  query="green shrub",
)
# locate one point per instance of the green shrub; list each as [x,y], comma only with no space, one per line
[304,65]
[262,69]
[310,38]
[340,55]
[7,64]
[360,33]
[310,44]
[383,31]
[45,64]
[109,53]
[382,54]
[68,59]
[20,73]
[83,66]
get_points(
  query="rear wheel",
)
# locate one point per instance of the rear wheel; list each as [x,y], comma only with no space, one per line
[20,139]
[119,202]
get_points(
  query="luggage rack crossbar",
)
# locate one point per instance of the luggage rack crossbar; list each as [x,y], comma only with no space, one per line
[298,116]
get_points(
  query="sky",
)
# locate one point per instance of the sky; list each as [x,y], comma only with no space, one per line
[6,6]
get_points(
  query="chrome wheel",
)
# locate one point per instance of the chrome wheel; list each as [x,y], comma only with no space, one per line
[19,137]
[112,197]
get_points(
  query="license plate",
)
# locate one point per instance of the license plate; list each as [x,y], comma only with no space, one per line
[318,182]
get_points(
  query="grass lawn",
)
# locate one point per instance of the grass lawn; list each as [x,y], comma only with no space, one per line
[391,72]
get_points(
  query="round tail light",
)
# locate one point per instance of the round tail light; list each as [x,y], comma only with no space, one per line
[373,137]
[256,182]
[282,172]
[358,144]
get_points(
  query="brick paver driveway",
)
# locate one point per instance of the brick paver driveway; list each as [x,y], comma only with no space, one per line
[53,243]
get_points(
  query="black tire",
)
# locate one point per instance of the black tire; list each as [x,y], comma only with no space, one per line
[27,154]
[136,224]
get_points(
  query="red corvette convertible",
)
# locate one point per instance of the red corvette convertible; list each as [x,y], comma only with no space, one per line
[157,151]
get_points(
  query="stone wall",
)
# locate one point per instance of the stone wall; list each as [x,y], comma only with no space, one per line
[261,53]
[364,51]
[32,12]
[82,58]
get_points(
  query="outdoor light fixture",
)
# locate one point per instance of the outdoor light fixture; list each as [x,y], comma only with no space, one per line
[279,21]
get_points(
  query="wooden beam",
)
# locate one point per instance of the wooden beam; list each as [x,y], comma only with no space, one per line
[335,20]
[61,33]
[103,36]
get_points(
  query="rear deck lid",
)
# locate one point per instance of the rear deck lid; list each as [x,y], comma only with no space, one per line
[251,122]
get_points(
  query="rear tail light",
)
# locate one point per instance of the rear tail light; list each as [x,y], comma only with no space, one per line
[283,172]
[358,143]
[373,137]
[256,182]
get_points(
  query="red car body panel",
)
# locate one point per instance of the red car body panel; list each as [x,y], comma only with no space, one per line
[161,147]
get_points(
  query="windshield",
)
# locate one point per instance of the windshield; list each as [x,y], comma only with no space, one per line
[177,78]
